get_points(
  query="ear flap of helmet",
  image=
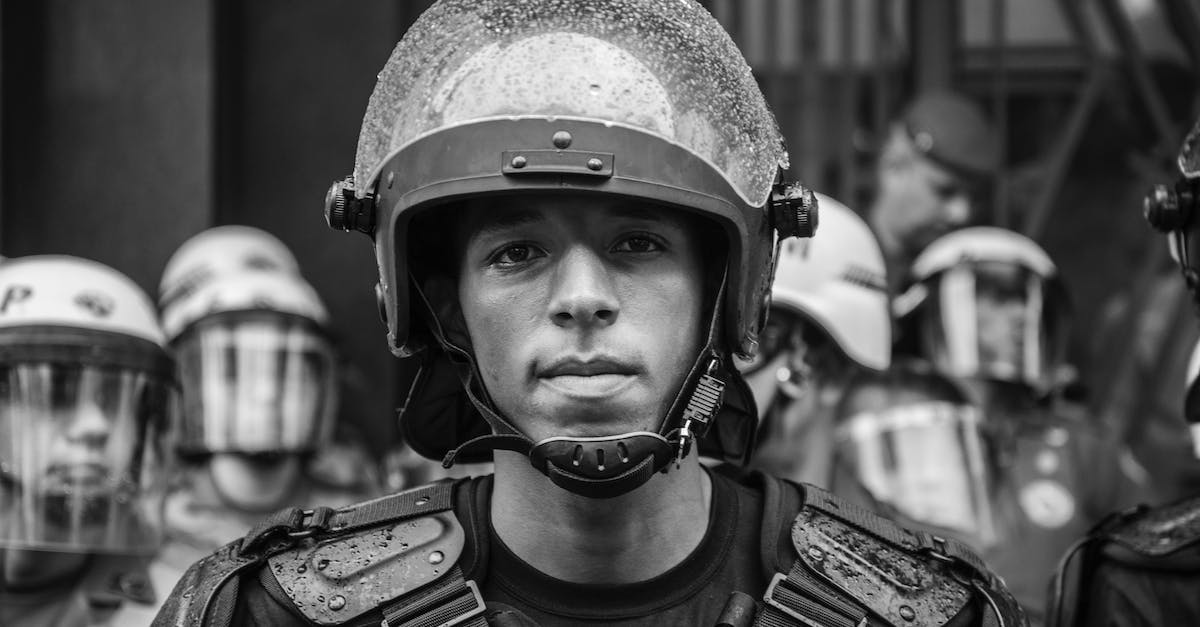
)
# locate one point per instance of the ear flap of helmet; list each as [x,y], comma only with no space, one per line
[437,416]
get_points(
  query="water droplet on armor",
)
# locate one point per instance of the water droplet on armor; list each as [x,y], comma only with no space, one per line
[424,499]
[322,565]
[303,568]
[816,554]
[907,613]
[337,602]
[436,557]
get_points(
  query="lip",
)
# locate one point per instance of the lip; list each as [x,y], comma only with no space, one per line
[588,378]
[78,474]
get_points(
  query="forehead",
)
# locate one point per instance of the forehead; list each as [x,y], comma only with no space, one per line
[493,214]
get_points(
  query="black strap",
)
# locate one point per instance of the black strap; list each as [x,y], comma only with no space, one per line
[798,598]
[296,523]
[451,601]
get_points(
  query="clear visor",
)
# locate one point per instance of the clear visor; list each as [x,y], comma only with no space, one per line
[255,383]
[996,322]
[81,458]
[928,461]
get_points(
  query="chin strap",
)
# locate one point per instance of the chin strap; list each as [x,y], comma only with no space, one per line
[609,466]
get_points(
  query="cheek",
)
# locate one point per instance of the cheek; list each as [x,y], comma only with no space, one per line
[497,320]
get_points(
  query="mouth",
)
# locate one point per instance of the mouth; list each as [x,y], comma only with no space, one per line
[81,475]
[588,378]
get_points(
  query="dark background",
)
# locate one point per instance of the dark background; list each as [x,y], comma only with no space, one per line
[127,126]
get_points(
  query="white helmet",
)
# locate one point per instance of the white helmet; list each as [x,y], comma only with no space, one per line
[86,392]
[256,365]
[988,303]
[218,251]
[838,281]
[1191,405]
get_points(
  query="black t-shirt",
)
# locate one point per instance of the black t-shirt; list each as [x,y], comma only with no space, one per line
[729,558]
[691,593]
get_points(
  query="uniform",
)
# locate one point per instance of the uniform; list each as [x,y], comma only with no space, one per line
[760,527]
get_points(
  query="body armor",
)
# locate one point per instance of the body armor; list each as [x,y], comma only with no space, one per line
[395,560]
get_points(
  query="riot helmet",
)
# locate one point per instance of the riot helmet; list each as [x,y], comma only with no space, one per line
[86,395]
[1173,210]
[913,439]
[645,100]
[987,304]
[256,366]
[219,251]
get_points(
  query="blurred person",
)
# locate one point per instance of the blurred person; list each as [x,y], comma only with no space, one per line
[1141,566]
[988,308]
[87,393]
[916,442]
[933,172]
[829,319]
[575,208]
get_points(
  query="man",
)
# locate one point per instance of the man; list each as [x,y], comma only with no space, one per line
[829,321]
[573,205]
[1141,566]
[933,171]
[86,393]
[989,309]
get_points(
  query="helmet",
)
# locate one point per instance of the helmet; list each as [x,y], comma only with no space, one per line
[256,366]
[913,439]
[638,99]
[839,283]
[221,250]
[86,393]
[951,130]
[987,303]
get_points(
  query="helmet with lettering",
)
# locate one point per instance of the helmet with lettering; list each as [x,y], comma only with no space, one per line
[988,304]
[86,394]
[256,365]
[635,99]
[838,282]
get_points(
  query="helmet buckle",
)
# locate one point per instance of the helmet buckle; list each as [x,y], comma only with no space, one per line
[344,211]
[793,210]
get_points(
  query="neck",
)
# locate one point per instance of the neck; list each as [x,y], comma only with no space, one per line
[625,539]
[255,483]
[25,569]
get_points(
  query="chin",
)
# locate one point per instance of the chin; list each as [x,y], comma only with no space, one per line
[596,419]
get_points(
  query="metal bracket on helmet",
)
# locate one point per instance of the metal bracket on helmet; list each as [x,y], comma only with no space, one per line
[344,211]
[793,210]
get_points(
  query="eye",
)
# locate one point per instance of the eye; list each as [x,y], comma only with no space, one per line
[515,254]
[638,244]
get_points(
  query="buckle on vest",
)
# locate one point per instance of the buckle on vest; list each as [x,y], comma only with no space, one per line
[789,601]
[468,606]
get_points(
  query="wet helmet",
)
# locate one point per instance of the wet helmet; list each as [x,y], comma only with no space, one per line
[86,394]
[256,365]
[221,250]
[640,99]
[987,303]
[838,282]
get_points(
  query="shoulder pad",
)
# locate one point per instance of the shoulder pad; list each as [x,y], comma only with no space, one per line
[1159,531]
[332,580]
[196,590]
[902,576]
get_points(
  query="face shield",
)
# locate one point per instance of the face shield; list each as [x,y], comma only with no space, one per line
[994,321]
[927,460]
[80,457]
[255,382]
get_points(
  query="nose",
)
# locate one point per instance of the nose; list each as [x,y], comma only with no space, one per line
[583,295]
[957,210]
[90,427]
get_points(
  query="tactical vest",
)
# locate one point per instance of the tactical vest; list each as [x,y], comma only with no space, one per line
[1154,556]
[395,560]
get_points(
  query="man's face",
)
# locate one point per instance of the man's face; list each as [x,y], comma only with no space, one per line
[918,202]
[585,314]
[1001,319]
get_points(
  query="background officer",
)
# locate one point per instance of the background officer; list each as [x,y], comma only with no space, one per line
[87,393]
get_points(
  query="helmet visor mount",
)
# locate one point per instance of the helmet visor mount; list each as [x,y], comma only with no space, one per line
[927,460]
[77,467]
[255,382]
